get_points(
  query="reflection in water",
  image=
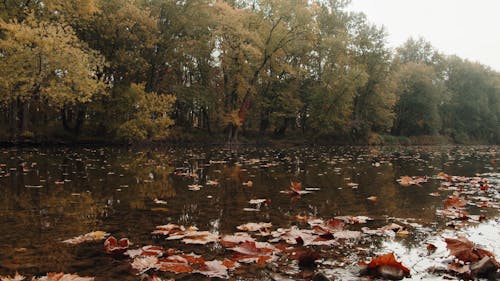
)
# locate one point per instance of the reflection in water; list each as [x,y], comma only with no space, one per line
[51,194]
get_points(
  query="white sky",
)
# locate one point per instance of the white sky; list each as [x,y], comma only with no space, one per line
[467,28]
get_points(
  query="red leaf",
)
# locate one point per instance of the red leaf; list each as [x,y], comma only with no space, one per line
[113,246]
[295,186]
[388,267]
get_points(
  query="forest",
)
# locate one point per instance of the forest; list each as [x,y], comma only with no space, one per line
[234,70]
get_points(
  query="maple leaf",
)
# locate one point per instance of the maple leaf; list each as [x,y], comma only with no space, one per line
[258,252]
[214,269]
[465,250]
[229,241]
[113,246]
[386,266]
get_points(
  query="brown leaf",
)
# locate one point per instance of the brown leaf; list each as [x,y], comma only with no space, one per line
[455,201]
[214,269]
[62,277]
[465,250]
[257,252]
[386,266]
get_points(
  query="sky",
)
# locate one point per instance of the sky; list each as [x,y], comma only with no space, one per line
[467,28]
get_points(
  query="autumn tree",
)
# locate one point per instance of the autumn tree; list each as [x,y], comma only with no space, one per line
[374,101]
[44,67]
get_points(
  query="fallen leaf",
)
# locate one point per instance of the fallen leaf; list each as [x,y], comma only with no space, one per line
[144,263]
[175,264]
[16,277]
[372,198]
[230,241]
[248,183]
[91,236]
[465,250]
[258,252]
[214,269]
[386,266]
[455,201]
[252,226]
[307,258]
[113,246]
[62,277]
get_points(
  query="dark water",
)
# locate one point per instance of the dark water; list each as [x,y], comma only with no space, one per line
[48,195]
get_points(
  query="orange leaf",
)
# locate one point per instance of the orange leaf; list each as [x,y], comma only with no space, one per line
[387,266]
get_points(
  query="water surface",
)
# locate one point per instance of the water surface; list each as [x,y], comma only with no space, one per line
[48,195]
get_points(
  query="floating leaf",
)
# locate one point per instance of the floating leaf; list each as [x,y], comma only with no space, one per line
[386,266]
[62,277]
[258,252]
[16,277]
[91,236]
[113,246]
[214,269]
[144,263]
[252,226]
[229,241]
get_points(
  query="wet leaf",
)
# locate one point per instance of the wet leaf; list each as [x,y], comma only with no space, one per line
[230,241]
[91,236]
[465,250]
[16,277]
[408,181]
[62,277]
[258,252]
[199,237]
[307,258]
[175,264]
[144,263]
[455,202]
[168,229]
[386,266]
[113,246]
[214,269]
[252,226]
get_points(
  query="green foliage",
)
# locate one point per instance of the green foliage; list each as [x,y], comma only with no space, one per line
[420,94]
[149,120]
[126,70]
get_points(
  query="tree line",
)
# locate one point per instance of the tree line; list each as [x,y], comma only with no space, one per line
[147,70]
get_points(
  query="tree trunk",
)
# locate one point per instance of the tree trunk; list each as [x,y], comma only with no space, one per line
[25,116]
[68,117]
[13,118]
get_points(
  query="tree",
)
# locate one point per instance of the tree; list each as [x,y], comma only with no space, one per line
[43,66]
[420,93]
[473,112]
[374,101]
